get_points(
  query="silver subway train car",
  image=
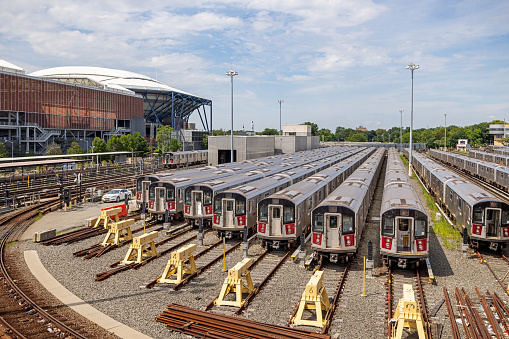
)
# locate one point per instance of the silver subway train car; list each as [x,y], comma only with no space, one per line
[338,221]
[404,222]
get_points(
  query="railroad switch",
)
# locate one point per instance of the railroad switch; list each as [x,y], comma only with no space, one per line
[407,315]
[234,283]
[177,265]
[142,247]
[314,298]
[119,231]
[108,215]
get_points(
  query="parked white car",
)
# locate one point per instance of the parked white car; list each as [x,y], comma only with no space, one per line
[116,195]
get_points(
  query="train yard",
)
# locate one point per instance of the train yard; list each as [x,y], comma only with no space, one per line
[471,285]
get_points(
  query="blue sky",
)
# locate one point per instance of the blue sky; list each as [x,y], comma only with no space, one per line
[335,63]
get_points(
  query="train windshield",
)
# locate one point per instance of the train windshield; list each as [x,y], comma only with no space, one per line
[348,224]
[207,198]
[188,197]
[138,184]
[152,193]
[318,223]
[505,217]
[217,205]
[388,226]
[240,207]
[420,228]
[478,215]
[288,214]
[263,211]
[170,193]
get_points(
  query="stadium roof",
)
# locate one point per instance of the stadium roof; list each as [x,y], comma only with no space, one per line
[161,101]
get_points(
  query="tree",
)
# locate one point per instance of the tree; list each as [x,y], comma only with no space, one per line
[357,137]
[326,135]
[163,137]
[342,133]
[314,127]
[205,142]
[270,131]
[140,144]
[114,144]
[504,141]
[174,145]
[3,150]
[126,142]
[74,149]
[99,145]
[53,149]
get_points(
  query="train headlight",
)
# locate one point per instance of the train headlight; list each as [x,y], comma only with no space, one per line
[505,231]
[421,245]
[151,204]
[261,227]
[317,238]
[387,243]
[138,196]
[187,209]
[217,219]
[349,240]
[476,229]
[290,229]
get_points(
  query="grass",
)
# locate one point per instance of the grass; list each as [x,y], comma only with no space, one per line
[450,236]
[39,216]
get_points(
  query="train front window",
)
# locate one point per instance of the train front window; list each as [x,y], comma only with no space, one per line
[229,206]
[276,213]
[263,212]
[318,225]
[217,206]
[240,207]
[505,217]
[188,197]
[403,225]
[347,224]
[288,215]
[170,194]
[388,226]
[138,185]
[207,198]
[161,193]
[420,228]
[151,193]
[478,216]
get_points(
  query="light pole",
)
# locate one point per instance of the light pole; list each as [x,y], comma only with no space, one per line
[231,74]
[280,102]
[445,137]
[401,131]
[411,67]
[85,140]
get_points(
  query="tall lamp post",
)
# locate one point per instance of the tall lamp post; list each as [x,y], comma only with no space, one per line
[411,67]
[231,74]
[12,148]
[401,131]
[445,136]
[280,129]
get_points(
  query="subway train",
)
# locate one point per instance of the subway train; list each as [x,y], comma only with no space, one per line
[499,159]
[503,150]
[185,158]
[404,222]
[338,221]
[237,207]
[170,192]
[472,209]
[494,174]
[286,214]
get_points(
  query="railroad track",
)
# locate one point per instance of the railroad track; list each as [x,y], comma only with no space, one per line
[395,280]
[498,264]
[30,304]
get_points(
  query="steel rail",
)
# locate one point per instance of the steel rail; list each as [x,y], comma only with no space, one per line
[389,301]
[40,311]
[465,318]
[489,313]
[422,299]
[483,331]
[452,319]
[492,272]
[332,310]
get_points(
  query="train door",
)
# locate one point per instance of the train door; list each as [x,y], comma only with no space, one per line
[404,227]
[275,219]
[492,219]
[144,194]
[197,202]
[332,222]
[228,212]
[160,199]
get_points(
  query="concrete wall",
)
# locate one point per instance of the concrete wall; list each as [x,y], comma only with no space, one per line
[298,130]
[291,143]
[246,147]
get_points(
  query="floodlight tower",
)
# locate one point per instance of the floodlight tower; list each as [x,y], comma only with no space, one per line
[401,132]
[231,74]
[280,129]
[411,67]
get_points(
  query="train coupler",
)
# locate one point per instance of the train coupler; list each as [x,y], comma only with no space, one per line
[402,263]
[494,246]
[276,245]
[228,235]
[334,258]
